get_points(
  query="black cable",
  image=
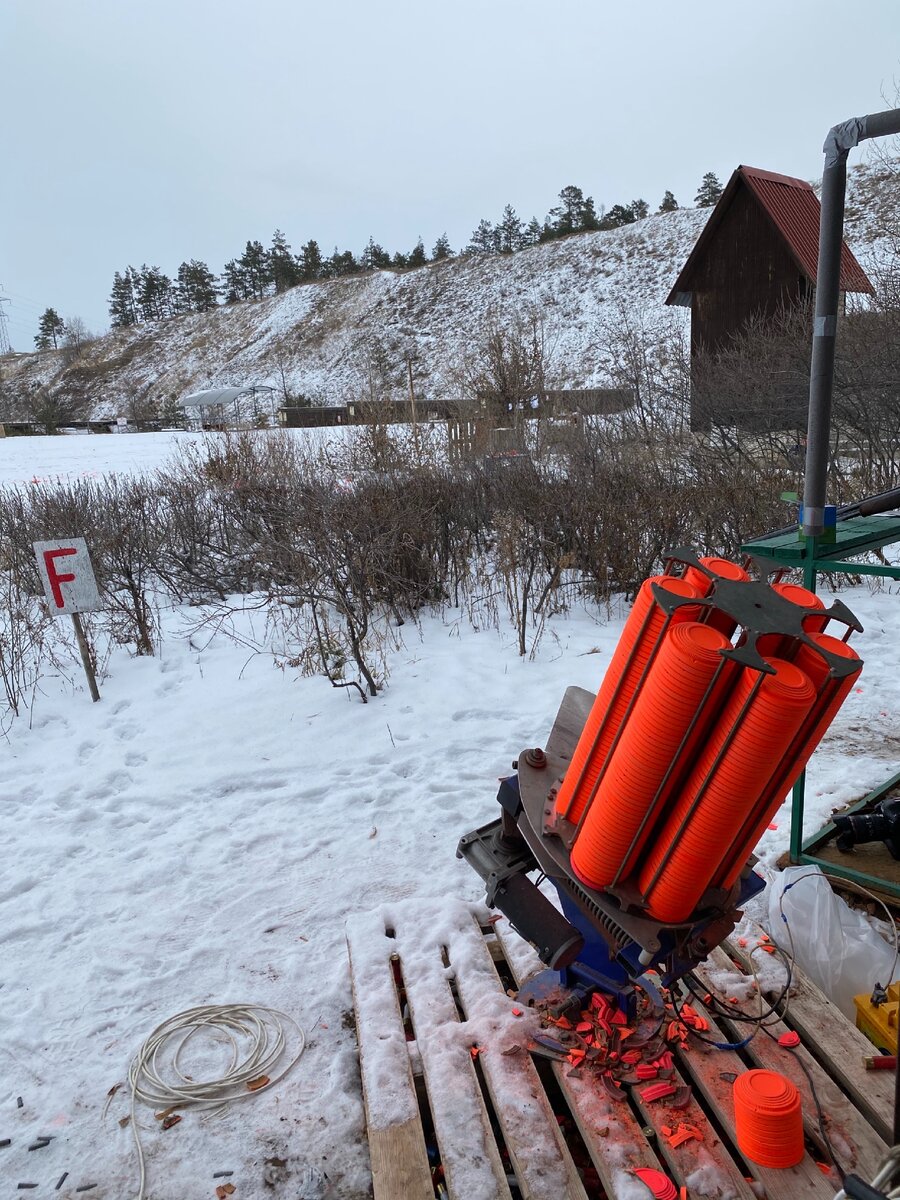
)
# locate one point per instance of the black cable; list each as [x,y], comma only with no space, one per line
[820,1116]
[724,1010]
[699,1036]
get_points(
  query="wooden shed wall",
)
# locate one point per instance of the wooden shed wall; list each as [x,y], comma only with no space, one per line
[746,270]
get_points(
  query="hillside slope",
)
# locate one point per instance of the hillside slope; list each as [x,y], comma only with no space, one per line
[348,338]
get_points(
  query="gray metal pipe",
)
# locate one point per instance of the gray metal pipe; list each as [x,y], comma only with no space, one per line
[840,141]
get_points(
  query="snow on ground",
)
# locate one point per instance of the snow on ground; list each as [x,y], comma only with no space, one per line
[64,459]
[43,460]
[202,835]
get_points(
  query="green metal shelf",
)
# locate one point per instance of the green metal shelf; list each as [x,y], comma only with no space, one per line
[815,556]
[856,535]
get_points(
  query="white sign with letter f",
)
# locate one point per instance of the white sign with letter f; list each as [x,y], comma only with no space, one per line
[67,575]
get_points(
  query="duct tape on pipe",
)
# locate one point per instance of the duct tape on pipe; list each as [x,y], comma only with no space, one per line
[825,327]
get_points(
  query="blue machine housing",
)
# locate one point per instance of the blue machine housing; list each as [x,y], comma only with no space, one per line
[597,966]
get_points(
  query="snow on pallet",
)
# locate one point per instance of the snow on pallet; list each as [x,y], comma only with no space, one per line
[444,1063]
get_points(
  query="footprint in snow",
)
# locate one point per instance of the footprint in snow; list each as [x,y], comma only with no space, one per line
[86,751]
[114,783]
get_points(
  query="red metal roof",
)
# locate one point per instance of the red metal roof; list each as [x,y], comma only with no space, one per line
[793,208]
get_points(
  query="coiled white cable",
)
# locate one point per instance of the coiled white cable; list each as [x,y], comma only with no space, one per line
[263,1027]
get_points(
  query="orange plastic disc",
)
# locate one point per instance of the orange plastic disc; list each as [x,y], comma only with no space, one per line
[632,654]
[805,599]
[742,753]
[617,825]
[723,567]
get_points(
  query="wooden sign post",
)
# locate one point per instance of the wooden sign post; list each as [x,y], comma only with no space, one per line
[70,587]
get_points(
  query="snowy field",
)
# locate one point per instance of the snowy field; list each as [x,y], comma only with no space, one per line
[202,835]
[35,460]
[62,459]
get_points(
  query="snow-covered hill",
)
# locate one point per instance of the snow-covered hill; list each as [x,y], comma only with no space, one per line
[343,339]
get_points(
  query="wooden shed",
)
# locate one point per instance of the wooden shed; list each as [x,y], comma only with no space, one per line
[758,252]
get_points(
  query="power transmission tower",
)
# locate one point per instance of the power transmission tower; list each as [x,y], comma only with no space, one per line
[4,327]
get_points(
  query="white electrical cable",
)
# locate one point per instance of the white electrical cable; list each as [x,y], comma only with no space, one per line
[264,1029]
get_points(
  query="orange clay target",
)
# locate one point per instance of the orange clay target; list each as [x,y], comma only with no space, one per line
[758,724]
[640,635]
[768,1119]
[667,704]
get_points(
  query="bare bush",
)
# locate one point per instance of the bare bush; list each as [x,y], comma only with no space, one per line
[53,409]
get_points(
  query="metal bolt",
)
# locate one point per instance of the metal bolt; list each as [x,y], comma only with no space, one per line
[536,758]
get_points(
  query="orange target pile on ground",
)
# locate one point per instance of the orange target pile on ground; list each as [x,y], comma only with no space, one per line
[703,721]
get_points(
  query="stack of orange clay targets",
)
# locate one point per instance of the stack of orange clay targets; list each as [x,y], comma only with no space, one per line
[717,694]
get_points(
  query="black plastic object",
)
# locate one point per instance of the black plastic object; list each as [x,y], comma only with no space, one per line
[882,824]
[538,921]
[858,1189]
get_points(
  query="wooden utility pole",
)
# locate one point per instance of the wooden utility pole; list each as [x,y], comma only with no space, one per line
[412,402]
[412,394]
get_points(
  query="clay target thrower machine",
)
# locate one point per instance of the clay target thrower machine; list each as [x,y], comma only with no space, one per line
[643,808]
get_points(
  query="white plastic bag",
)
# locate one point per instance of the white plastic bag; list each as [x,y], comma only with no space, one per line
[833,944]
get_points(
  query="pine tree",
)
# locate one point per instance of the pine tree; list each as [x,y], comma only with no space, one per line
[342,262]
[509,232]
[641,209]
[237,286]
[709,191]
[417,256]
[589,218]
[282,265]
[374,257]
[575,212]
[441,249]
[618,215]
[122,304]
[668,203]
[51,328]
[483,239]
[399,262]
[154,294]
[257,271]
[171,414]
[311,265]
[533,231]
[196,289]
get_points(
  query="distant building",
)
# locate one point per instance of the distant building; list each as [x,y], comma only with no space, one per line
[758,252]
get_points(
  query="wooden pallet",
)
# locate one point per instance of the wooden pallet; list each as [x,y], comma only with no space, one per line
[426,997]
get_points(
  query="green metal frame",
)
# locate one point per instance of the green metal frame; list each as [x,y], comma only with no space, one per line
[829,555]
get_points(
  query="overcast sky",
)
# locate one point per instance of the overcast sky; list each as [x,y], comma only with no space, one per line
[174,129]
